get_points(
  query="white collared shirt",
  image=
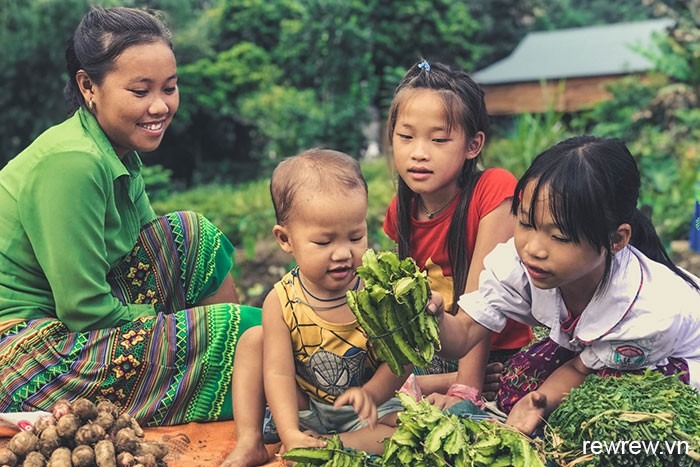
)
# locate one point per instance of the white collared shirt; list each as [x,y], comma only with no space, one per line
[646,314]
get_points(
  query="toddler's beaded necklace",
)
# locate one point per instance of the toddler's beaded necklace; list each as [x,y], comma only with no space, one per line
[295,274]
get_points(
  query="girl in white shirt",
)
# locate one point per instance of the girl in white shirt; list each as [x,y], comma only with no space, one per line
[588,265]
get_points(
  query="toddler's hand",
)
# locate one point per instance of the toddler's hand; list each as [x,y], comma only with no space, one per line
[361,401]
[297,439]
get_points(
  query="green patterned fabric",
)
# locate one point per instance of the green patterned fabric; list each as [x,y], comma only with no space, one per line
[167,369]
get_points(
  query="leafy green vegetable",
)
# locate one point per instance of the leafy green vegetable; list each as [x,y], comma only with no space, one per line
[645,408]
[391,310]
[429,437]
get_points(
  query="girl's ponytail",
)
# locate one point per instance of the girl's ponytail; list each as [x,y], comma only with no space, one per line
[646,240]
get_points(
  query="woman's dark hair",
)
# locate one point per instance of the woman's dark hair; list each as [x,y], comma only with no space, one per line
[102,35]
[593,186]
[465,108]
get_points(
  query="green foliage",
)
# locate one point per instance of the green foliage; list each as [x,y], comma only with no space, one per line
[678,54]
[158,179]
[255,21]
[278,112]
[243,69]
[32,35]
[531,134]
[623,115]
[382,187]
[559,14]
[658,119]
[647,407]
[244,212]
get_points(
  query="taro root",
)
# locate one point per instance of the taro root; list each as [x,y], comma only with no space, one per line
[105,455]
[158,449]
[49,440]
[83,434]
[126,440]
[42,423]
[123,421]
[89,434]
[61,457]
[68,425]
[7,457]
[147,460]
[62,408]
[85,409]
[108,407]
[126,459]
[138,431]
[34,459]
[105,420]
[23,443]
[83,456]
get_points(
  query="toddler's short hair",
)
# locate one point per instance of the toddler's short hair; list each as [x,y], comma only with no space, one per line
[318,170]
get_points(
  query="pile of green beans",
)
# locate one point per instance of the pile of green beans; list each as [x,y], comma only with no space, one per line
[646,408]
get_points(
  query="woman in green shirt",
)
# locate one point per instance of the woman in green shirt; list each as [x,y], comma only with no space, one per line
[99,297]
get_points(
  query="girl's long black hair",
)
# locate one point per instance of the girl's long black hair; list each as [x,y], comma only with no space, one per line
[466,108]
[594,187]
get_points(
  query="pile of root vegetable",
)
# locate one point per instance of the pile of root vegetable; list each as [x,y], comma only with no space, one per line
[429,437]
[83,434]
[655,418]
[391,309]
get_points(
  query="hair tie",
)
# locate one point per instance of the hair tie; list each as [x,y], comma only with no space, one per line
[424,65]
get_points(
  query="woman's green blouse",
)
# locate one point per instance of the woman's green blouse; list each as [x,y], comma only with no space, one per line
[70,210]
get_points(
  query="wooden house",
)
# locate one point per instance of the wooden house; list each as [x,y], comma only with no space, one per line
[567,69]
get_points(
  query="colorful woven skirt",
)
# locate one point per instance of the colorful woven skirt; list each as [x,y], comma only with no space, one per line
[167,369]
[526,370]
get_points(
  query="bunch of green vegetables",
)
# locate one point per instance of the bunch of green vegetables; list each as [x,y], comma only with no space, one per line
[647,408]
[332,455]
[427,436]
[391,310]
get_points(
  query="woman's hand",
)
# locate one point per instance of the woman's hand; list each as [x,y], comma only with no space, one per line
[528,412]
[362,402]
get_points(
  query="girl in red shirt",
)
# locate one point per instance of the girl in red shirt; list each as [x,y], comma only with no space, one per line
[448,214]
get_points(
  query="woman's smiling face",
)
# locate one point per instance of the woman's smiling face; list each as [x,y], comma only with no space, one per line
[137,99]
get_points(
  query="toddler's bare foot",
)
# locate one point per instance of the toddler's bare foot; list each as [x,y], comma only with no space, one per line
[247,453]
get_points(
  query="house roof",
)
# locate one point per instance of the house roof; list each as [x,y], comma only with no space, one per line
[576,52]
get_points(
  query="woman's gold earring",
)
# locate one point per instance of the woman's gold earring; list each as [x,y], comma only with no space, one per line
[91,106]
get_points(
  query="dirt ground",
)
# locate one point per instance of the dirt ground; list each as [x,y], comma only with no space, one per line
[270,263]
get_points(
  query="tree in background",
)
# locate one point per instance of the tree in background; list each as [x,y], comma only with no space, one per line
[560,14]
[661,119]
[32,64]
[263,79]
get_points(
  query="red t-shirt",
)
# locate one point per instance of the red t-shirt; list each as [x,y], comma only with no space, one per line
[429,244]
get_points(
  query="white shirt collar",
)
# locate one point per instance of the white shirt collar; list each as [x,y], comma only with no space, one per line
[609,307]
